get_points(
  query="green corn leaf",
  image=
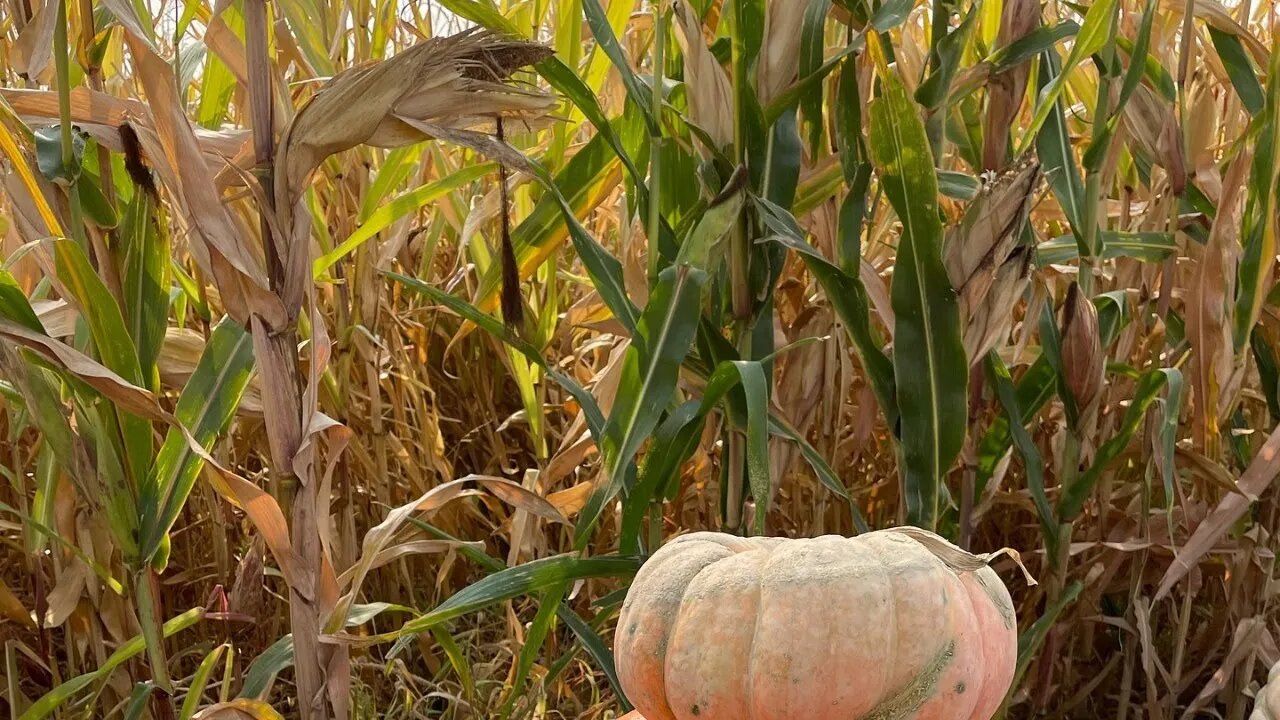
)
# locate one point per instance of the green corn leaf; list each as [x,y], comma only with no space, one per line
[575,189]
[409,202]
[812,48]
[891,14]
[1146,246]
[138,699]
[205,407]
[55,698]
[672,444]
[1171,406]
[585,634]
[849,298]
[1053,147]
[97,209]
[596,648]
[262,672]
[534,638]
[1239,69]
[115,347]
[14,305]
[930,366]
[1031,639]
[1259,230]
[664,336]
[458,659]
[1031,461]
[1149,386]
[755,387]
[1264,357]
[49,153]
[1033,391]
[936,88]
[200,680]
[607,41]
[958,185]
[395,169]
[582,93]
[650,369]
[493,326]
[1034,43]
[531,577]
[145,268]
[1090,39]
[826,475]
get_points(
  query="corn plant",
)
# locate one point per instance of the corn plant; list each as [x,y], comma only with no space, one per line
[373,346]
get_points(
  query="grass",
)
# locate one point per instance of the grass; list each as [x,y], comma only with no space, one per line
[303,412]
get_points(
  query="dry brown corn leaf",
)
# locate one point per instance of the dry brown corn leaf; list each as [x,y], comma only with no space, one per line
[1208,308]
[1256,478]
[455,82]
[707,84]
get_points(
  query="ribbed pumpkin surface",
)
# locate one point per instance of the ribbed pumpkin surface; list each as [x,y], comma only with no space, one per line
[876,627]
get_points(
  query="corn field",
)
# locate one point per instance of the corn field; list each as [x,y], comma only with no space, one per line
[354,355]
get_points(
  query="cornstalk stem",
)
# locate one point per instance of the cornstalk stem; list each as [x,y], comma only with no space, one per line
[740,288]
[277,350]
[655,139]
[62,61]
[150,616]
[1093,181]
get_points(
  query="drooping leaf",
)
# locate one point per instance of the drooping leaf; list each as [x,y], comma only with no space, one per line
[650,369]
[55,698]
[533,576]
[1149,386]
[1146,246]
[930,367]
[1089,40]
[205,407]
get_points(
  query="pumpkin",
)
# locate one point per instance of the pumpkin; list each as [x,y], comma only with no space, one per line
[891,624]
[1268,701]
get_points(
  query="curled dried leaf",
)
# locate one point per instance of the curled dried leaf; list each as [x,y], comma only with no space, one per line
[1005,90]
[455,82]
[957,558]
[989,323]
[779,49]
[710,96]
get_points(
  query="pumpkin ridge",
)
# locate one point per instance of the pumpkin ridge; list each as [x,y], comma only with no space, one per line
[750,684]
[736,550]
[892,619]
[675,628]
[1005,610]
[971,614]
[915,693]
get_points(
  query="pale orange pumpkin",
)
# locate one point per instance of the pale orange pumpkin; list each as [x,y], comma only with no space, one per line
[891,624]
[1267,706]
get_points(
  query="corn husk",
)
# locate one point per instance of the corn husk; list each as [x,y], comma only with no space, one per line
[1083,361]
[710,95]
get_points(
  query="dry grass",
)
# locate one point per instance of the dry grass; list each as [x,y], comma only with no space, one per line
[1153,541]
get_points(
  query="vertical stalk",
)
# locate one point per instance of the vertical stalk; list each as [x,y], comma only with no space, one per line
[935,123]
[150,617]
[1093,180]
[277,351]
[146,583]
[655,525]
[655,138]
[740,291]
[107,266]
[61,61]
